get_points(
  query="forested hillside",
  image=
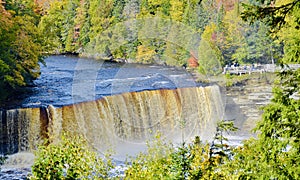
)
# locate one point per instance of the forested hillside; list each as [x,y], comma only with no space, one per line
[142,31]
[214,32]
[147,31]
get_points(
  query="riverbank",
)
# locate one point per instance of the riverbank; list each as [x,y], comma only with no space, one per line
[244,96]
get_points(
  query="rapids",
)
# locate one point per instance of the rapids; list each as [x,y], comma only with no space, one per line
[67,80]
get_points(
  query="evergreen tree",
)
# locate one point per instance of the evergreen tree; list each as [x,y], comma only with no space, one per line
[258,46]
[275,154]
[58,26]
[196,16]
[82,26]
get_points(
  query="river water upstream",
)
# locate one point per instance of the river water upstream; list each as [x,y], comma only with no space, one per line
[67,80]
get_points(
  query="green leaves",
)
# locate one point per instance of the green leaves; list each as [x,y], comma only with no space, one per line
[272,14]
[71,158]
[59,28]
[2,160]
[196,160]
[20,45]
[275,152]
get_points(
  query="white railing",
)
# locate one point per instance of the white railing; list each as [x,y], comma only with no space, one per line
[256,68]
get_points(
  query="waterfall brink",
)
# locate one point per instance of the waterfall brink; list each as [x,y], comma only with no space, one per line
[22,129]
[126,118]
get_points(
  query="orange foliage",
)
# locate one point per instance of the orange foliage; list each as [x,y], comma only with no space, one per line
[5,16]
[193,61]
[41,6]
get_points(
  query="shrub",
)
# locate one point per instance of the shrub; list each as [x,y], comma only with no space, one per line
[71,158]
[195,160]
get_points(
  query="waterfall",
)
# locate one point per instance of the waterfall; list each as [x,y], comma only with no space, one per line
[22,129]
[125,118]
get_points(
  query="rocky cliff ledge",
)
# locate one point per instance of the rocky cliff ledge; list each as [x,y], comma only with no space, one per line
[244,102]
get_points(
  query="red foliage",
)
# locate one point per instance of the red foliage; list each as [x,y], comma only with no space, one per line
[193,61]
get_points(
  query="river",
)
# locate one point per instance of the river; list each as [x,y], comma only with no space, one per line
[68,79]
[119,105]
[81,94]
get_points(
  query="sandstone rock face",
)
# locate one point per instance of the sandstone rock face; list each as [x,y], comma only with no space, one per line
[244,103]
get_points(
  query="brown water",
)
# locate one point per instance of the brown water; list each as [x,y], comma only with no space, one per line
[128,118]
[114,106]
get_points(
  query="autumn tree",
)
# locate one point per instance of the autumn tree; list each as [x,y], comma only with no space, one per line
[210,57]
[20,45]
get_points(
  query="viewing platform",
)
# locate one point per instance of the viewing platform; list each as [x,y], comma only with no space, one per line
[239,70]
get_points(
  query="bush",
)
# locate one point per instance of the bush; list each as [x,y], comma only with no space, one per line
[71,158]
[195,160]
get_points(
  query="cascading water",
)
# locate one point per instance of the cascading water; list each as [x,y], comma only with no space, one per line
[118,106]
[126,118]
[21,129]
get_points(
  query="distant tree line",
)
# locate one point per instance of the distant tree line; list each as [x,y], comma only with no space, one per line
[111,29]
[87,27]
[30,29]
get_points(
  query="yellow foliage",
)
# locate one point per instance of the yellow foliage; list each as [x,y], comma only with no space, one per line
[176,11]
[208,32]
[145,54]
[233,25]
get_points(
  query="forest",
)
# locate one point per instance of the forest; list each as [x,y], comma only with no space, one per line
[164,32]
[215,32]
[145,31]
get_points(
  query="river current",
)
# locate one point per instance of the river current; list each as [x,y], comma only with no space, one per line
[67,80]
